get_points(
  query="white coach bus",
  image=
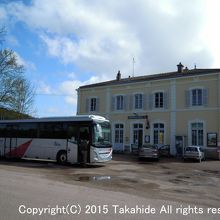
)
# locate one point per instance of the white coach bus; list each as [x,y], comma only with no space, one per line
[78,139]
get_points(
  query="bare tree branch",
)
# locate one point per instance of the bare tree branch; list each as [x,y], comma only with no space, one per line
[16,92]
[2,34]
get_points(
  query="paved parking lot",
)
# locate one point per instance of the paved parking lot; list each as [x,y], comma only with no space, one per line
[169,179]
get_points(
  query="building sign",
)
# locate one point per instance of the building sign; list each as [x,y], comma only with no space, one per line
[212,139]
[137,117]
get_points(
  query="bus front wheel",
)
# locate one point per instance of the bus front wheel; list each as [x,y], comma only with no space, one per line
[62,157]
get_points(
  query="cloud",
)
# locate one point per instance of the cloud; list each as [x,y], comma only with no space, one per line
[104,37]
[43,88]
[101,38]
[3,15]
[69,88]
[12,40]
[27,64]
[66,89]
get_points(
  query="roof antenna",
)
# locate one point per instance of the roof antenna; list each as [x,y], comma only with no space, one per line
[133,62]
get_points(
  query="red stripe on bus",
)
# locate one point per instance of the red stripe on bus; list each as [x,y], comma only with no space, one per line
[20,150]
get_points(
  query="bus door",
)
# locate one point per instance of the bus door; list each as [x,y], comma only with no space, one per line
[72,151]
[83,145]
[11,142]
[72,143]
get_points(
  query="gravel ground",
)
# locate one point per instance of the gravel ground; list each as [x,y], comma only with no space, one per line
[169,179]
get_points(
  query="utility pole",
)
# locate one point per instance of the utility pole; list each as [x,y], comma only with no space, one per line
[133,66]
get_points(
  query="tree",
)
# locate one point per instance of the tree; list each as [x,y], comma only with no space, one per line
[2,34]
[9,72]
[23,98]
[16,93]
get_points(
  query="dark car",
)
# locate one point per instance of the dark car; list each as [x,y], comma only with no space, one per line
[148,151]
[164,150]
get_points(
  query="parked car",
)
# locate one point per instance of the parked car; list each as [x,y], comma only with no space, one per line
[148,151]
[164,150]
[193,152]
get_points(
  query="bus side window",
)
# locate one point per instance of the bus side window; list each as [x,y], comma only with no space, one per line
[72,132]
[58,131]
[2,130]
[27,130]
[84,133]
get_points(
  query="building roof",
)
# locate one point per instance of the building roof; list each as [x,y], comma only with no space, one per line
[146,78]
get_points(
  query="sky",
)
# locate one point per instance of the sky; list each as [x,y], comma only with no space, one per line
[64,44]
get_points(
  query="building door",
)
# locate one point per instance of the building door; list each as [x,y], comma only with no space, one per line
[137,135]
[119,137]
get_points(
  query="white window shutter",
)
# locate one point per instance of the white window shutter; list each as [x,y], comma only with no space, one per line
[124,102]
[87,105]
[131,102]
[205,96]
[187,98]
[145,99]
[151,101]
[165,100]
[142,101]
[97,105]
[113,103]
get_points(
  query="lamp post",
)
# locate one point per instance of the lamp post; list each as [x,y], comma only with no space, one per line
[147,122]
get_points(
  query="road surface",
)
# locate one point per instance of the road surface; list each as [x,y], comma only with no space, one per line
[31,195]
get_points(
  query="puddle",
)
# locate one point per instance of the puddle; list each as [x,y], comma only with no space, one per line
[101,178]
[168,173]
[181,191]
[164,167]
[93,178]
[84,178]
[212,172]
[178,181]
[129,180]
[183,177]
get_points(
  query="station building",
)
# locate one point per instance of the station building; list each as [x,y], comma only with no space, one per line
[180,108]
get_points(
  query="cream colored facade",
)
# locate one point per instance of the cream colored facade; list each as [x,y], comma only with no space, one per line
[183,103]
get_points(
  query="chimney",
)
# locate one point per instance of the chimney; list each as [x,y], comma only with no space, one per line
[180,68]
[118,77]
[186,68]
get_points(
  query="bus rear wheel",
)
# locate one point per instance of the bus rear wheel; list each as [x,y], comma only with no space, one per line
[62,157]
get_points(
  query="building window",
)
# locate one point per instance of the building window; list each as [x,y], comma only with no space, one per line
[119,133]
[138,101]
[197,97]
[158,133]
[119,102]
[159,100]
[197,134]
[93,104]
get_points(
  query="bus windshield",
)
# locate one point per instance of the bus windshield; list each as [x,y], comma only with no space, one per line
[101,134]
